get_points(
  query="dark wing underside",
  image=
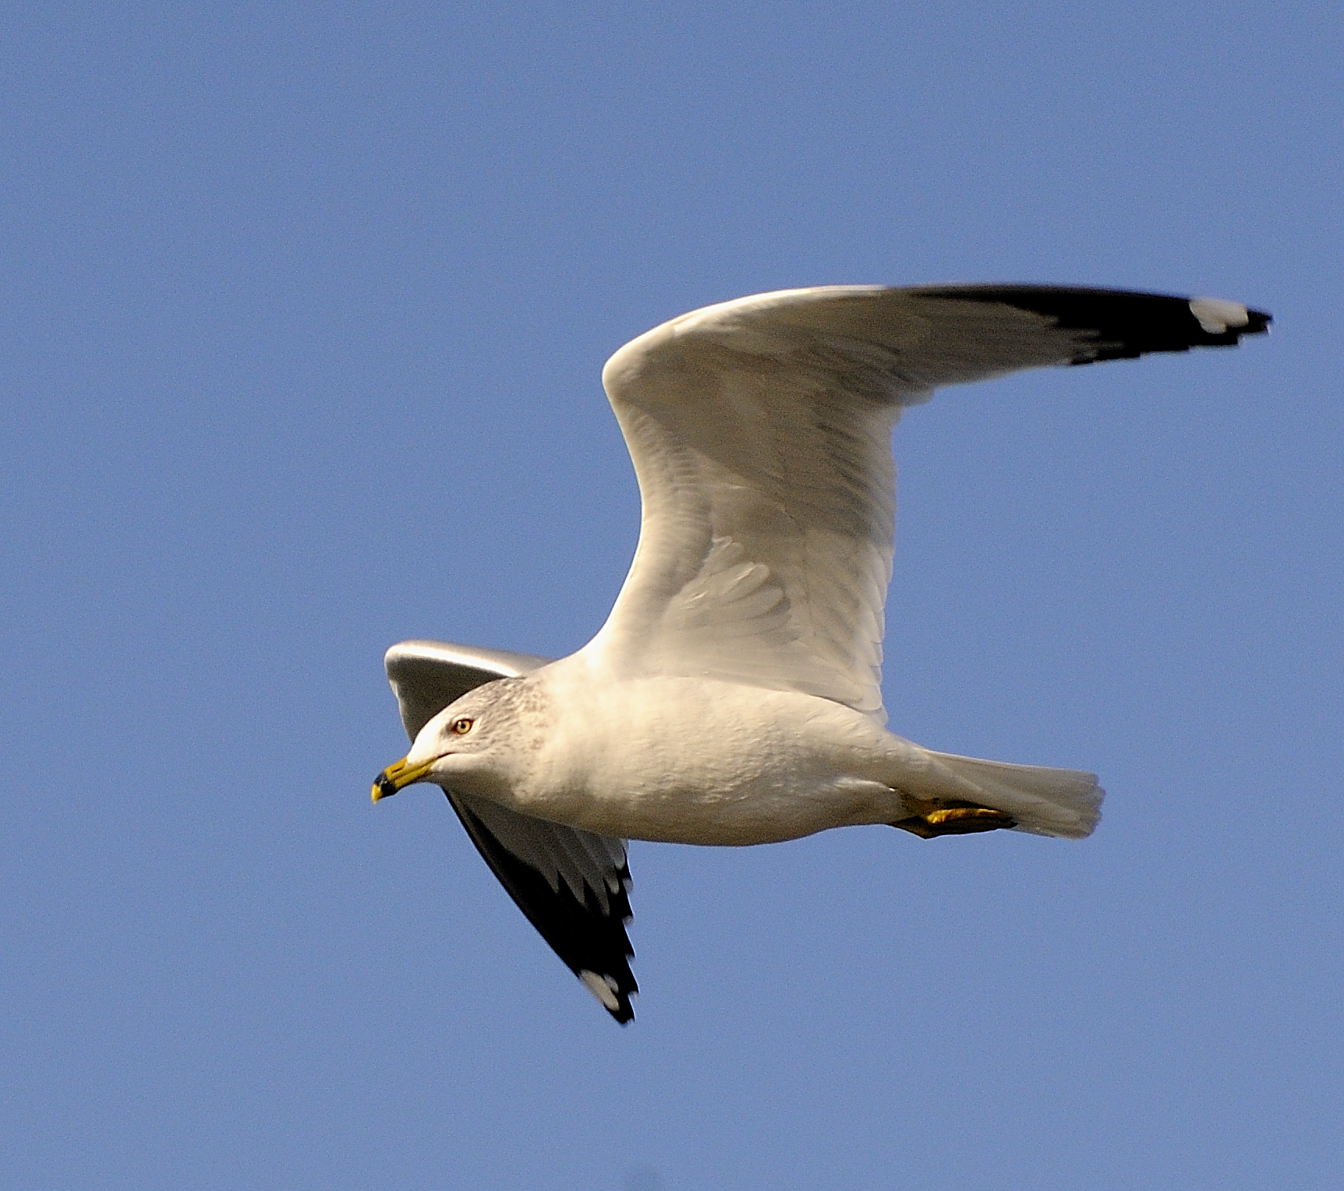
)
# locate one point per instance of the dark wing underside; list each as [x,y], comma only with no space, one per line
[589,935]
[572,885]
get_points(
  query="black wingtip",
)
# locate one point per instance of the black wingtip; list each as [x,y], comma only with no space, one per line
[1121,324]
[588,934]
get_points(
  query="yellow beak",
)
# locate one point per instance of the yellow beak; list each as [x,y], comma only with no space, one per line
[397,775]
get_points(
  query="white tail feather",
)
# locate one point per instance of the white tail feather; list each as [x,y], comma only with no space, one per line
[1059,802]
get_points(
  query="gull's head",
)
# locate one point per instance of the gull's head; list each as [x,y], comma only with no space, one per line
[469,745]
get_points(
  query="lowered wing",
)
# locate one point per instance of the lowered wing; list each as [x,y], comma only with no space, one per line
[573,885]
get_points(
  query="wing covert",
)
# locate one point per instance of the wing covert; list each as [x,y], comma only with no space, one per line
[760,434]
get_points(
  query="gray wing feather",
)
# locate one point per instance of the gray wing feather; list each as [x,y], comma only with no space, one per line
[572,885]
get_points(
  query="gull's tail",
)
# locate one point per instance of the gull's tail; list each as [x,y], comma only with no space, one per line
[1059,802]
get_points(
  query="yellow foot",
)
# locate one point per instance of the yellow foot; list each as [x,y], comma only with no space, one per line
[952,818]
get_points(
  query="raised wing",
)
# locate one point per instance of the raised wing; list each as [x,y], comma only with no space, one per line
[572,885]
[760,434]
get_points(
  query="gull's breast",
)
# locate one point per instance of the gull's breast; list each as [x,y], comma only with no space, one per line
[686,760]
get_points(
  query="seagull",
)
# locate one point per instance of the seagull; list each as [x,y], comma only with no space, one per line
[733,695]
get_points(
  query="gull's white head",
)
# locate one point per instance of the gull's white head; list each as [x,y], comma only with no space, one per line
[470,745]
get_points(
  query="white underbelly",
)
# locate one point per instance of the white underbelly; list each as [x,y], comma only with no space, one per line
[685,761]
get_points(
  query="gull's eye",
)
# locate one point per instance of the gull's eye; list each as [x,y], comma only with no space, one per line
[461,726]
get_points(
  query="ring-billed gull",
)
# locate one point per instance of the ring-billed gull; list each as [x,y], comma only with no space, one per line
[732,696]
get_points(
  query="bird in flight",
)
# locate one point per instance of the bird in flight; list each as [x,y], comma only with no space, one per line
[733,694]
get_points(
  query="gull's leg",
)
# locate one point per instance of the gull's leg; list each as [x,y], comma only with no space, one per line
[951,818]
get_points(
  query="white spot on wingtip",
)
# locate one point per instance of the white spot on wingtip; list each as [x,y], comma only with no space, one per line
[602,987]
[1216,316]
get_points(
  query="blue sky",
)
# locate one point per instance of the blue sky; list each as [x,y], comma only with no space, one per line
[306,306]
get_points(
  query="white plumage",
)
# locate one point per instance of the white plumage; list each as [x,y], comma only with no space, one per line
[733,694]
